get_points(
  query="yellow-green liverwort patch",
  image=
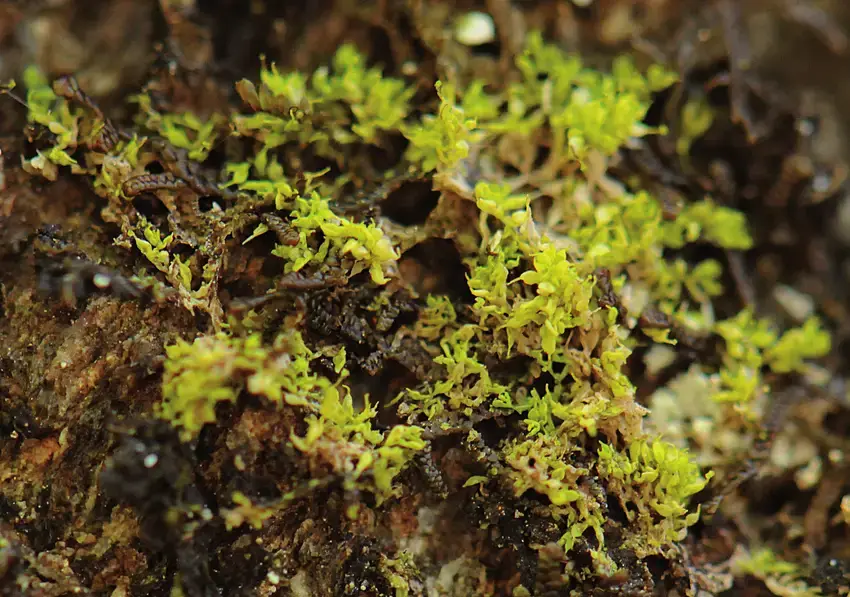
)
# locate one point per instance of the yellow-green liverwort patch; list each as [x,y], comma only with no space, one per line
[591,114]
[216,368]
[467,383]
[123,162]
[753,345]
[697,117]
[399,571]
[318,110]
[441,140]
[185,130]
[378,103]
[343,437]
[59,117]
[782,578]
[534,274]
[363,246]
[653,481]
[153,245]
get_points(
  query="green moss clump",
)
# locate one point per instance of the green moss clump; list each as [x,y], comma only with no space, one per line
[781,578]
[217,368]
[184,130]
[344,103]
[658,479]
[364,245]
[754,346]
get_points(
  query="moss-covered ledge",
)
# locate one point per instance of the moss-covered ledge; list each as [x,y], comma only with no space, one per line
[482,315]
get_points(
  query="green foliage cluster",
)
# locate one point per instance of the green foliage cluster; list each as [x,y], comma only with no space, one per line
[365,245]
[345,437]
[185,130]
[56,115]
[782,578]
[653,479]
[217,368]
[583,114]
[754,345]
[346,103]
